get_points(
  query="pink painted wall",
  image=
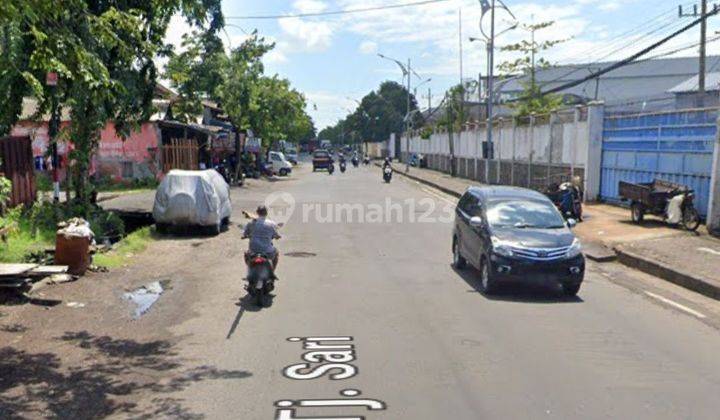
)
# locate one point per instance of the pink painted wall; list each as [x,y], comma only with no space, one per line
[112,150]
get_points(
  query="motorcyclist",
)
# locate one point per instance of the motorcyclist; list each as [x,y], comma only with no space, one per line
[261,232]
[386,163]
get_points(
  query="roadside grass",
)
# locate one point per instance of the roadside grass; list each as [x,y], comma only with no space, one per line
[22,239]
[124,251]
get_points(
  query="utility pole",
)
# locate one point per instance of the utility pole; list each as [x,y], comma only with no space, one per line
[491,93]
[429,99]
[51,80]
[703,43]
[407,120]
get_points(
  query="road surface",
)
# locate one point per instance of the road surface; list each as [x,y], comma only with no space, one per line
[407,336]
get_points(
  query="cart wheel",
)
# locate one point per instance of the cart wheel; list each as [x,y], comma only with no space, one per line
[637,212]
[691,219]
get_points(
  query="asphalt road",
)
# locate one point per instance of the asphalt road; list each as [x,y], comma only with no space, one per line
[414,339]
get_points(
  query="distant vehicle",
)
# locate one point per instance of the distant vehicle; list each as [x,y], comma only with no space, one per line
[292,157]
[277,164]
[516,235]
[192,198]
[325,144]
[387,174]
[321,159]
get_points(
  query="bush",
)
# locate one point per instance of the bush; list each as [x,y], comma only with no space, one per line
[45,216]
[5,191]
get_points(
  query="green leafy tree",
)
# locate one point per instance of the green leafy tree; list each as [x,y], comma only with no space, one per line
[379,114]
[104,55]
[528,64]
[196,72]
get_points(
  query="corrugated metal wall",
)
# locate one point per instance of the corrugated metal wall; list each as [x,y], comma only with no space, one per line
[17,164]
[675,146]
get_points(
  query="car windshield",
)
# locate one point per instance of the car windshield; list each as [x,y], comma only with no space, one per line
[321,154]
[522,214]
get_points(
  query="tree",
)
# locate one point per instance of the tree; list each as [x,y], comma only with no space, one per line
[379,114]
[533,102]
[104,55]
[195,73]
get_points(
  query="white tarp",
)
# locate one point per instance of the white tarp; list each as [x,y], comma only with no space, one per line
[192,198]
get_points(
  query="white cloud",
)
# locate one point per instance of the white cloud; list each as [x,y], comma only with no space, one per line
[368,47]
[309,6]
[307,36]
[330,107]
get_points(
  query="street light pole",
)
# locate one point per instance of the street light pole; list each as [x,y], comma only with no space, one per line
[491,94]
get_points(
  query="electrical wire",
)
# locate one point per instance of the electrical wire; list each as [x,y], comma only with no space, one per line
[609,43]
[629,60]
[339,12]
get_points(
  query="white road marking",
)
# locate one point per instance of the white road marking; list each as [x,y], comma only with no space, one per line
[709,250]
[676,305]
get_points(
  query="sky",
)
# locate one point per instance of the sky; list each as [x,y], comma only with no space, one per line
[333,59]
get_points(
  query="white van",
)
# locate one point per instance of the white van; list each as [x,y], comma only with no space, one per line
[278,164]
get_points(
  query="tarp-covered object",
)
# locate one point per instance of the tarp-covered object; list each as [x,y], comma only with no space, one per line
[192,198]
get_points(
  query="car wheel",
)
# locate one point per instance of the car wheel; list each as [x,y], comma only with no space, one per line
[458,261]
[215,230]
[487,282]
[283,172]
[637,213]
[571,289]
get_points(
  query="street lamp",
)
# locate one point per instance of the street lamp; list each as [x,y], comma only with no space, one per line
[406,72]
[490,44]
[415,89]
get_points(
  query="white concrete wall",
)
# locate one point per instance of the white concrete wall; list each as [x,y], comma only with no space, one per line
[566,143]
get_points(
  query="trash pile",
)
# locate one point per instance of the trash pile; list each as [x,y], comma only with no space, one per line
[72,245]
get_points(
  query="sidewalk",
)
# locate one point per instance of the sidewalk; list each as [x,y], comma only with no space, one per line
[688,259]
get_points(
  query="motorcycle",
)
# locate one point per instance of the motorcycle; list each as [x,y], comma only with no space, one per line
[387,174]
[366,160]
[331,168]
[342,166]
[261,280]
[355,162]
[567,197]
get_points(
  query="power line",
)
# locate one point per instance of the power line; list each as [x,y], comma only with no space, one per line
[630,59]
[616,50]
[611,42]
[339,12]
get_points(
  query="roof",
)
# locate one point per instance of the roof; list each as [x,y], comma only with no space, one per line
[505,192]
[643,79]
[691,85]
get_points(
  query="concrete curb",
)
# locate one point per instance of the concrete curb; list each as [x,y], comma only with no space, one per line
[426,182]
[668,273]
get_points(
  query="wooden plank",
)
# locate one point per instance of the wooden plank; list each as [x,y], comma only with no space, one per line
[46,270]
[15,269]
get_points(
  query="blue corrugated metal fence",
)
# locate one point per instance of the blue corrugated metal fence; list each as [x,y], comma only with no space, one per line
[675,146]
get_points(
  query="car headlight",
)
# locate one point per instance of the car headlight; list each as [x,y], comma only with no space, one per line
[575,249]
[501,248]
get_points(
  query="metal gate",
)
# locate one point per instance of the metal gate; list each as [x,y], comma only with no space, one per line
[675,146]
[18,166]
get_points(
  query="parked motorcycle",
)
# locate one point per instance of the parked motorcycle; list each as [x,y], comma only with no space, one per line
[567,197]
[261,280]
[355,161]
[366,160]
[342,166]
[331,168]
[387,174]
